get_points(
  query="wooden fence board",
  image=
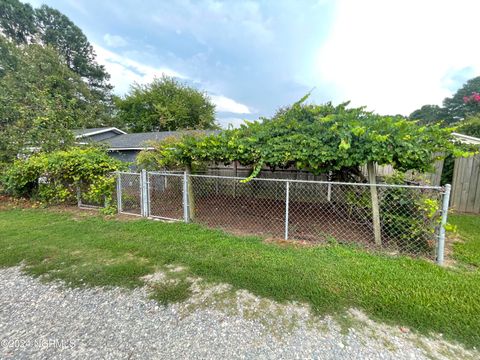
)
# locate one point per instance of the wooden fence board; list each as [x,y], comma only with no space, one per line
[470,207]
[467,170]
[466,185]
[455,185]
[476,205]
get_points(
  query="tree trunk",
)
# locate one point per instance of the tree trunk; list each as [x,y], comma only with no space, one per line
[375,208]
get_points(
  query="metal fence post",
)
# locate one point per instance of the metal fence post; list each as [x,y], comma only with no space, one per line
[287,201]
[147,179]
[329,187]
[144,193]
[79,196]
[441,237]
[119,192]
[186,215]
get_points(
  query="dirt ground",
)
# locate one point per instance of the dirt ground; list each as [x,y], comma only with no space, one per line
[266,217]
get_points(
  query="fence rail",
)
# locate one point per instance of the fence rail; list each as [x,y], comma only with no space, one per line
[412,218]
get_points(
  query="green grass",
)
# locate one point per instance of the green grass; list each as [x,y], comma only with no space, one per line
[171,292]
[89,250]
[468,249]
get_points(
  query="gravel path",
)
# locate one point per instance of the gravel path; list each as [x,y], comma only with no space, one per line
[48,321]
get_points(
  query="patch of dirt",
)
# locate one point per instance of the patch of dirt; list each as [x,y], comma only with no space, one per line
[243,215]
[7,203]
[287,243]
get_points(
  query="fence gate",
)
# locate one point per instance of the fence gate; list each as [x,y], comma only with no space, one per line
[129,193]
[165,195]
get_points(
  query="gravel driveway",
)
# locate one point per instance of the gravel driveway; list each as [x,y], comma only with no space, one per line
[48,321]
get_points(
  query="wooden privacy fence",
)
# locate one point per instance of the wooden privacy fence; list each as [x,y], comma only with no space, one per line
[466,185]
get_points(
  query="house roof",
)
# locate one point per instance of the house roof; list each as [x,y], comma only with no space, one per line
[139,141]
[467,139]
[81,133]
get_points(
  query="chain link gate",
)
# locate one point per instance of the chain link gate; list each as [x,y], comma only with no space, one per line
[165,195]
[129,193]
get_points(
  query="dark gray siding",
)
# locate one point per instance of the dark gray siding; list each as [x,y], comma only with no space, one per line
[125,155]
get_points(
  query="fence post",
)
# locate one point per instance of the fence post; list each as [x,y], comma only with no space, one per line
[119,193]
[375,207]
[441,237]
[79,196]
[149,210]
[144,194]
[186,216]
[329,188]
[287,202]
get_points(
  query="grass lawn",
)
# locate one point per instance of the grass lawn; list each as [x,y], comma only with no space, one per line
[468,249]
[91,250]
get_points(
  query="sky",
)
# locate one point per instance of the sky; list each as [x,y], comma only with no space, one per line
[253,57]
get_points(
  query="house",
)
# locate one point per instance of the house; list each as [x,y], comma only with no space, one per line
[123,146]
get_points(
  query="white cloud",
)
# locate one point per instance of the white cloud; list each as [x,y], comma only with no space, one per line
[396,56]
[230,122]
[125,71]
[114,40]
[239,21]
[225,104]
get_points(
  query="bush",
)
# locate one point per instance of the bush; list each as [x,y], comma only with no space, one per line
[54,177]
[409,216]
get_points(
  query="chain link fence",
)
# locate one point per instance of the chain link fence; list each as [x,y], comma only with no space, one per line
[86,200]
[403,219]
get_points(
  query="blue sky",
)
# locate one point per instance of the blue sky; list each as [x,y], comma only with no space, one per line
[253,57]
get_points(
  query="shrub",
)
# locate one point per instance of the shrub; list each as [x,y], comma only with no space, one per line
[54,177]
[409,217]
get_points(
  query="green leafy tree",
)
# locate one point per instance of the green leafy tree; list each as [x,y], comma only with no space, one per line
[41,99]
[17,21]
[428,114]
[456,107]
[470,126]
[462,104]
[23,24]
[8,56]
[165,104]
[57,30]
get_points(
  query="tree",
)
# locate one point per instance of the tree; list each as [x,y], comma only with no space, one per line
[428,114]
[8,56]
[17,21]
[470,126]
[456,107]
[57,30]
[23,24]
[165,104]
[41,99]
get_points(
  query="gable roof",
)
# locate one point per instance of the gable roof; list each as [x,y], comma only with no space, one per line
[467,139]
[82,133]
[139,141]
